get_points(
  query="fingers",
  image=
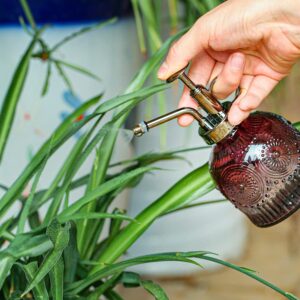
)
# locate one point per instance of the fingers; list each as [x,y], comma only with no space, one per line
[184,50]
[230,77]
[200,72]
[257,91]
[235,113]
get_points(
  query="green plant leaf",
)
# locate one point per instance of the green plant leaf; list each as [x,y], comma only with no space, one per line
[5,226]
[172,256]
[24,26]
[112,269]
[250,273]
[198,180]
[47,79]
[152,157]
[212,3]
[154,289]
[115,224]
[196,205]
[297,125]
[139,26]
[130,279]
[112,295]
[59,236]
[148,10]
[80,32]
[68,170]
[23,245]
[173,12]
[127,97]
[6,263]
[59,136]
[109,139]
[64,76]
[76,68]
[94,215]
[71,256]
[28,14]
[13,94]
[143,160]
[108,284]
[57,280]
[26,209]
[199,6]
[103,189]
[108,134]
[40,291]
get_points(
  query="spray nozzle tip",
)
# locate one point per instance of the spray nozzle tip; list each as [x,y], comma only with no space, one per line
[140,129]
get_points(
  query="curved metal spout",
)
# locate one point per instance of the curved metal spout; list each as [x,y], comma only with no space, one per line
[144,127]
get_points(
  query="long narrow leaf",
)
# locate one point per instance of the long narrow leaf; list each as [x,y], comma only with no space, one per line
[108,141]
[59,236]
[109,270]
[94,215]
[108,284]
[71,256]
[176,256]
[40,291]
[60,135]
[196,205]
[28,202]
[141,94]
[80,32]
[76,68]
[28,14]
[57,280]
[198,180]
[139,26]
[251,274]
[47,79]
[12,96]
[103,189]
[154,289]
[64,76]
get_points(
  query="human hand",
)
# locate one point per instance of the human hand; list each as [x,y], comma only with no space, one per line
[247,43]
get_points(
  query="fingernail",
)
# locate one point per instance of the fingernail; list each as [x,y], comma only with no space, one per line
[237,61]
[162,70]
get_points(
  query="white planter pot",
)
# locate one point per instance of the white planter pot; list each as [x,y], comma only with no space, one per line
[217,228]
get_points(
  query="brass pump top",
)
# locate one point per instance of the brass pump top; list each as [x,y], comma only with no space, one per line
[211,115]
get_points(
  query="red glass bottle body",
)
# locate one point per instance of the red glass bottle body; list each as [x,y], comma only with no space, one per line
[257,168]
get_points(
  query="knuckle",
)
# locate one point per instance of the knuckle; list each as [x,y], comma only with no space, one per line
[250,103]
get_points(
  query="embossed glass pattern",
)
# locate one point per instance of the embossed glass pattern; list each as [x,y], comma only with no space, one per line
[257,168]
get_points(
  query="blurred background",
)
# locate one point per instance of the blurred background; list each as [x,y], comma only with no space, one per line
[114,53]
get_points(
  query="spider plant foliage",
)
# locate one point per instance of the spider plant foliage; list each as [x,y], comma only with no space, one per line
[64,254]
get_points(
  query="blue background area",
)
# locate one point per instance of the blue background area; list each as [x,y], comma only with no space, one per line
[62,11]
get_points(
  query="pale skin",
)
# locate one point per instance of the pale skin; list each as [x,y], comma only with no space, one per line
[248,43]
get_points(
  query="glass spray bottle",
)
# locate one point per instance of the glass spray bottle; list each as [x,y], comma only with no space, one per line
[256,165]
